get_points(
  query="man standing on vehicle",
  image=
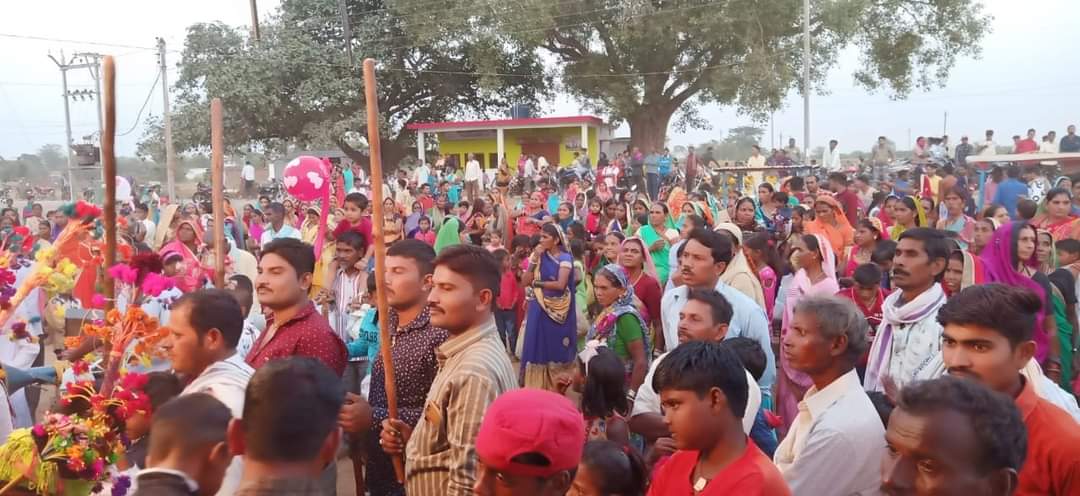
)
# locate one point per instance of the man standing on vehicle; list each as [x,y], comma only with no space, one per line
[883,155]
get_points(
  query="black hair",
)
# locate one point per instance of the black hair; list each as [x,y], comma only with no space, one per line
[1010,310]
[604,392]
[991,210]
[214,308]
[797,183]
[695,220]
[577,229]
[909,203]
[867,275]
[618,470]
[999,429]
[814,245]
[296,253]
[276,207]
[553,231]
[420,252]
[519,240]
[577,248]
[721,247]
[1012,171]
[720,308]
[138,206]
[780,197]
[475,264]
[839,177]
[500,255]
[763,242]
[869,225]
[1068,245]
[1056,192]
[767,186]
[750,354]
[883,252]
[293,430]
[935,243]
[699,366]
[244,292]
[161,386]
[1026,208]
[188,423]
[642,219]
[353,239]
[358,199]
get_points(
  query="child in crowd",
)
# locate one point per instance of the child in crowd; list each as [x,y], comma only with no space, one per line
[1026,209]
[704,391]
[365,344]
[601,382]
[424,232]
[761,250]
[511,295]
[868,296]
[356,219]
[753,360]
[160,387]
[494,241]
[583,289]
[882,257]
[610,468]
[187,448]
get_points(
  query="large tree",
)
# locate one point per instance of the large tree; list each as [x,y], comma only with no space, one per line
[645,61]
[296,86]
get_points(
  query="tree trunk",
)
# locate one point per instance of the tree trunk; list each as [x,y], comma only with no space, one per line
[648,127]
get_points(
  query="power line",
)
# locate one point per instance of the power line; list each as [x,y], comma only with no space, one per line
[138,117]
[80,42]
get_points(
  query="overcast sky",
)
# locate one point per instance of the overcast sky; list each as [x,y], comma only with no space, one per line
[1028,76]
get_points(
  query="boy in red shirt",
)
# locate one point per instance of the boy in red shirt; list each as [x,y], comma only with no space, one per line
[356,219]
[511,297]
[704,391]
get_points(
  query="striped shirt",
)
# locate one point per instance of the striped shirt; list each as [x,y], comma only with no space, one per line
[441,454]
[346,288]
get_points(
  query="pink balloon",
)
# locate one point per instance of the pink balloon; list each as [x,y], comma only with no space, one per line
[306,178]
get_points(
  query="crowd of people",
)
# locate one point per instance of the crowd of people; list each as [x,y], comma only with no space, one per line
[873,333]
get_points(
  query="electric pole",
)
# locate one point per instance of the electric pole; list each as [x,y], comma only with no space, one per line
[89,61]
[255,21]
[806,81]
[170,154]
[347,28]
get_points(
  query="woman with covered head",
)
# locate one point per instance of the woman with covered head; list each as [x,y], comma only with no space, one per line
[638,265]
[549,342]
[619,325]
[1056,217]
[831,223]
[813,256]
[907,214]
[738,273]
[655,234]
[955,219]
[1011,259]
[187,242]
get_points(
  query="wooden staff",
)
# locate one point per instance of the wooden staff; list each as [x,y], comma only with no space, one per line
[375,152]
[217,171]
[108,164]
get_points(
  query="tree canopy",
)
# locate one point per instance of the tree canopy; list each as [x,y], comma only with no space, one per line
[645,61]
[296,87]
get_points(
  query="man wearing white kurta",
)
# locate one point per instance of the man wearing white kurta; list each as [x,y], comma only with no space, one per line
[205,327]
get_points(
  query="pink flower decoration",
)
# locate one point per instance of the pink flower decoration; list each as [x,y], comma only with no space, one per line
[124,272]
[38,430]
[155,284]
[97,301]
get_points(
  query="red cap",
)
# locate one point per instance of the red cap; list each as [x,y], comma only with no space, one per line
[531,421]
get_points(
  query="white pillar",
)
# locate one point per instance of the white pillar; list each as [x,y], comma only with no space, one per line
[500,147]
[585,136]
[420,146]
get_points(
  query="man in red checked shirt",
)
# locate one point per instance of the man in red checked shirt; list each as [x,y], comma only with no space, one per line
[294,328]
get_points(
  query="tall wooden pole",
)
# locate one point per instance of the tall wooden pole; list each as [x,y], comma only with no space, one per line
[375,152]
[217,171]
[108,163]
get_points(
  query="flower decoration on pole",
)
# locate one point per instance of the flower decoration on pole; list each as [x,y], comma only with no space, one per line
[119,331]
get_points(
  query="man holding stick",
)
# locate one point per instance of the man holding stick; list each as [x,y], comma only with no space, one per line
[440,455]
[414,344]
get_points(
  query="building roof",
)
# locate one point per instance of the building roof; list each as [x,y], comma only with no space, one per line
[507,123]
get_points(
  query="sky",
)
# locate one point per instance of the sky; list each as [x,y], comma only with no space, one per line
[1027,77]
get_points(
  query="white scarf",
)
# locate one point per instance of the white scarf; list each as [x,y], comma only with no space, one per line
[894,315]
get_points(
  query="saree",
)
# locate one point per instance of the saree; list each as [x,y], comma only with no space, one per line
[191,275]
[549,342]
[604,328]
[791,384]
[1000,261]
[841,235]
[1067,228]
[648,235]
[738,273]
[449,234]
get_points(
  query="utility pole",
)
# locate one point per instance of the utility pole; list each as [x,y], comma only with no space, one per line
[806,81]
[347,28]
[255,21]
[89,61]
[170,154]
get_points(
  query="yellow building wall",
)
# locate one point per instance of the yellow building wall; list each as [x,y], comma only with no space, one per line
[488,147]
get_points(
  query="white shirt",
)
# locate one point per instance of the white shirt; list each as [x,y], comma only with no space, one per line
[472,171]
[830,159]
[987,147]
[756,161]
[151,230]
[648,401]
[248,172]
[227,381]
[748,321]
[836,423]
[420,175]
[530,168]
[286,231]
[542,162]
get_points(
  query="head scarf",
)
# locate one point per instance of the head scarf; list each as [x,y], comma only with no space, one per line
[1000,261]
[836,235]
[191,277]
[448,234]
[603,327]
[739,274]
[648,266]
[167,215]
[920,218]
[974,274]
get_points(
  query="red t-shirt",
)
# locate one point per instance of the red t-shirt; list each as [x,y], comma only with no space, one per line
[1052,464]
[510,291]
[752,474]
[363,227]
[306,334]
[1027,146]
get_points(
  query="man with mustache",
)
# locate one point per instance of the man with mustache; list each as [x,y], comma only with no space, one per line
[293,328]
[988,338]
[440,454]
[414,344]
[908,342]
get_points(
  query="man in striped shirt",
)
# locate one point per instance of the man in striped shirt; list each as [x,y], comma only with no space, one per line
[474,369]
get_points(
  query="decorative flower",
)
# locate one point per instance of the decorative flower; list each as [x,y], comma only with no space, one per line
[97,301]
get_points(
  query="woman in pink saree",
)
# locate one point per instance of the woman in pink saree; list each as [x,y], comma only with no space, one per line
[187,242]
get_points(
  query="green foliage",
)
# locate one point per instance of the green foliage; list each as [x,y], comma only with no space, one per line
[296,87]
[736,145]
[643,61]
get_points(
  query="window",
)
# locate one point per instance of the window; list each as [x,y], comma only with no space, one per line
[493,160]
